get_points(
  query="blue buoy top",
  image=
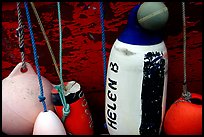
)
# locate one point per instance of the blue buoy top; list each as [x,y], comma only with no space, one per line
[136,35]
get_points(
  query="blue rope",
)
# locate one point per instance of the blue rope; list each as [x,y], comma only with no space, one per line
[41,96]
[103,42]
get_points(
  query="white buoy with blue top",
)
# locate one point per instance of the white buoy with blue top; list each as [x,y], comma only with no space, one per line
[136,83]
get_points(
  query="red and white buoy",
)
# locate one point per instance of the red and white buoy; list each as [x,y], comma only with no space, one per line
[79,120]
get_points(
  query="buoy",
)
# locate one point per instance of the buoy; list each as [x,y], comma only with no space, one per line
[152,15]
[79,120]
[48,123]
[20,104]
[136,82]
[184,118]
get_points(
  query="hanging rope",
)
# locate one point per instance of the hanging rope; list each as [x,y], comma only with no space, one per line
[60,41]
[66,109]
[186,94]
[47,41]
[103,42]
[20,35]
[60,90]
[46,38]
[41,96]
[103,48]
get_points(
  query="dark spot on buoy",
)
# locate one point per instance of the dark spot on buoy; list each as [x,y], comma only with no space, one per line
[125,51]
[152,93]
[196,101]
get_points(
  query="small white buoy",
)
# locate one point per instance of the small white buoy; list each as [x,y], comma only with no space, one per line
[48,123]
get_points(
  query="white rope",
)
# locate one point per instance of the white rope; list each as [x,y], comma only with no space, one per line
[186,94]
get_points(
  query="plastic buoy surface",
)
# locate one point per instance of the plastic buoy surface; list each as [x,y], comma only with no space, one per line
[79,120]
[153,15]
[184,118]
[136,83]
[20,103]
[48,123]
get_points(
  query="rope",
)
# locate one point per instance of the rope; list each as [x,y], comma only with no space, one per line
[103,47]
[41,96]
[60,90]
[61,93]
[66,107]
[20,35]
[60,41]
[186,94]
[103,42]
[46,38]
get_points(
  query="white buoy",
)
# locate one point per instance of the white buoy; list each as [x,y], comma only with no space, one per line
[136,81]
[20,103]
[48,123]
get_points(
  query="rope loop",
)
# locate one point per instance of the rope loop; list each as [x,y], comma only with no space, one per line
[66,110]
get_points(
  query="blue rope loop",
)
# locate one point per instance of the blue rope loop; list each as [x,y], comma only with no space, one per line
[41,97]
[103,42]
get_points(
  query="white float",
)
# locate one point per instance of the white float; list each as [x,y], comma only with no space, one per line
[48,123]
[136,84]
[20,103]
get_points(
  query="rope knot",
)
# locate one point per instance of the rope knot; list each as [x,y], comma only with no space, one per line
[66,110]
[186,95]
[41,98]
[19,30]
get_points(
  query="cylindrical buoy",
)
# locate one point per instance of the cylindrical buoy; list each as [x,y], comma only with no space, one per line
[20,103]
[184,118]
[48,123]
[79,120]
[136,82]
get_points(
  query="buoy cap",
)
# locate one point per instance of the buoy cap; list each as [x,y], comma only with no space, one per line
[135,34]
